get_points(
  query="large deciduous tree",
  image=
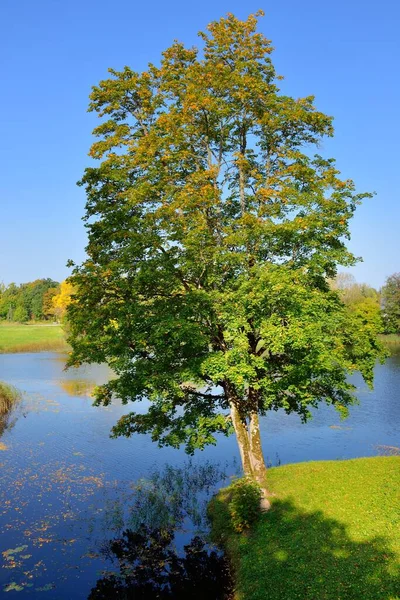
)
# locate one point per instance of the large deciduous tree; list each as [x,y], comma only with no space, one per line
[213,232]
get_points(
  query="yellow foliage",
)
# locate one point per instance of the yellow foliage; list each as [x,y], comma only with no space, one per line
[62,299]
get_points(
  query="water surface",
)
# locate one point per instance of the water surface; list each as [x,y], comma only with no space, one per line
[65,484]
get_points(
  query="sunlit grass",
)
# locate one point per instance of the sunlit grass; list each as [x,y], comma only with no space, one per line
[333,532]
[32,338]
[9,396]
[392,340]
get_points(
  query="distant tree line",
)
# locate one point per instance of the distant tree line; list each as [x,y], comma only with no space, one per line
[39,300]
[28,301]
[47,300]
[382,306]
[391,304]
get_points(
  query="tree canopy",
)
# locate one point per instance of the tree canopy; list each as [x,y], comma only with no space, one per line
[391,303]
[61,299]
[27,301]
[360,298]
[213,233]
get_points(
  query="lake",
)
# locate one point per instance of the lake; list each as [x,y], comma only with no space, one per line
[65,484]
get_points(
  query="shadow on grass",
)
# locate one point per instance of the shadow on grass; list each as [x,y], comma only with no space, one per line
[292,554]
[150,568]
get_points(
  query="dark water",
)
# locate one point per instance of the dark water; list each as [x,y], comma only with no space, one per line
[65,485]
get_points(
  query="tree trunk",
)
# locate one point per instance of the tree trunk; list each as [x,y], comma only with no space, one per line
[249,442]
[242,439]
[258,466]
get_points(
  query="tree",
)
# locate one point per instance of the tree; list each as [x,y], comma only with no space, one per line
[353,293]
[212,236]
[21,314]
[62,299]
[33,294]
[48,303]
[362,299]
[391,303]
[8,301]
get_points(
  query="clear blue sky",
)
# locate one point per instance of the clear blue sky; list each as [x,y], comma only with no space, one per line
[345,52]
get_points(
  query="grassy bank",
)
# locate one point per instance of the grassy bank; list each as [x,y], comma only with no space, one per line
[333,532]
[392,341]
[31,338]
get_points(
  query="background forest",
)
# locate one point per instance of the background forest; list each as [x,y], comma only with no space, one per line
[39,300]
[46,300]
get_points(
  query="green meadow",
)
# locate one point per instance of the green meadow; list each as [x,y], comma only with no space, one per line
[333,533]
[31,338]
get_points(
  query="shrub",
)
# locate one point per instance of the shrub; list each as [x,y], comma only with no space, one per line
[244,506]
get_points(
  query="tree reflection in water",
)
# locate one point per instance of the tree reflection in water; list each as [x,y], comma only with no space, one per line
[156,517]
[150,568]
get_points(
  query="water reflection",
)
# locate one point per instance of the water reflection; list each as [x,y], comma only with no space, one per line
[384,450]
[150,568]
[67,489]
[77,387]
[58,519]
[173,496]
[161,511]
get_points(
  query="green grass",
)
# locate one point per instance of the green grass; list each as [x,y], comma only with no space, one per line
[333,533]
[391,340]
[31,338]
[9,396]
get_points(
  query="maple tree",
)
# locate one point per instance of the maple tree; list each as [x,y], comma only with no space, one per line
[213,233]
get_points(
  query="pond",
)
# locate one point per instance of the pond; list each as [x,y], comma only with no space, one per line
[66,485]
